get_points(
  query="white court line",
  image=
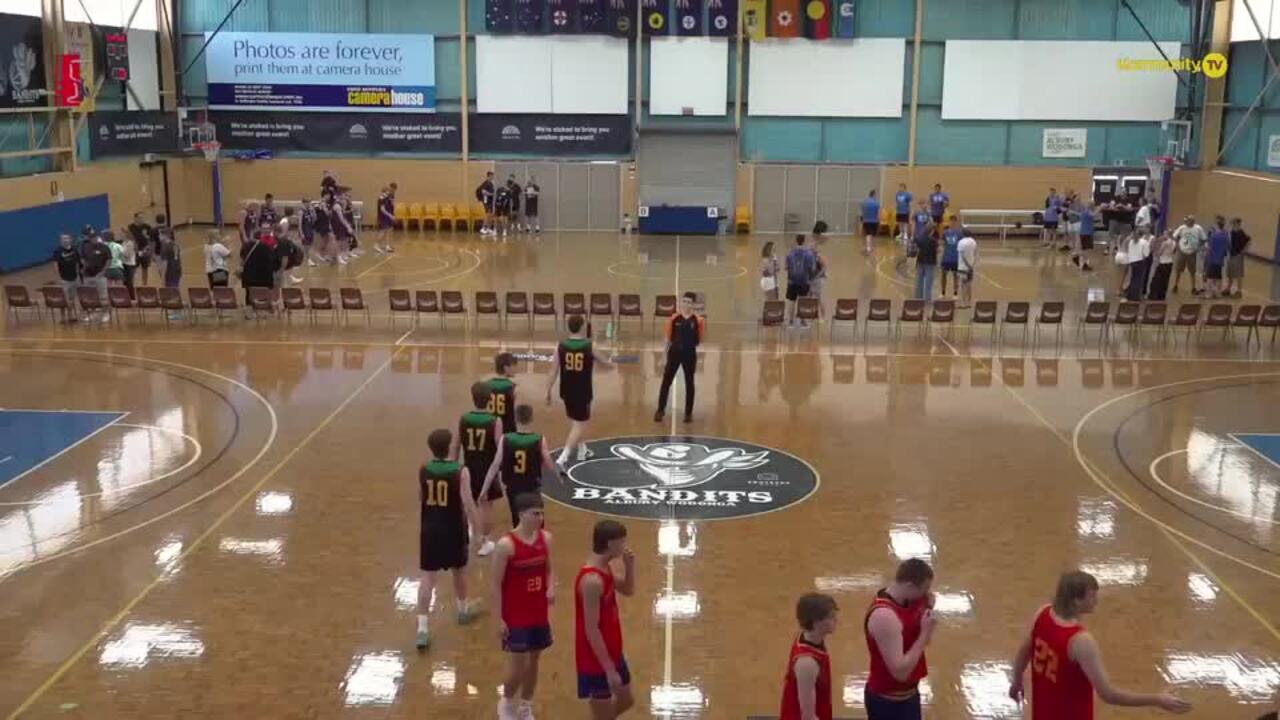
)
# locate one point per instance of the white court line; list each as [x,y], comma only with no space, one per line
[1254,450]
[1155,474]
[119,416]
[6,459]
[375,266]
[406,334]
[987,278]
[667,629]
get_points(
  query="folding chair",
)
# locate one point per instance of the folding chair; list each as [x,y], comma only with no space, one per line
[321,300]
[55,298]
[943,312]
[1270,318]
[1247,318]
[846,310]
[985,312]
[601,306]
[118,299]
[224,299]
[1095,313]
[1051,313]
[171,302]
[1219,316]
[18,298]
[809,309]
[1127,315]
[399,302]
[912,312]
[451,303]
[426,301]
[774,314]
[573,304]
[487,304]
[90,301]
[200,299]
[352,300]
[878,310]
[544,305]
[148,299]
[629,306]
[664,306]
[1016,313]
[1154,314]
[1188,316]
[517,303]
[261,301]
[293,300]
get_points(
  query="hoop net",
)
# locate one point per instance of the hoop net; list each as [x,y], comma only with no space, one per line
[1159,164]
[210,149]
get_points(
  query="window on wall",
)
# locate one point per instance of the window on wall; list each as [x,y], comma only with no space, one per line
[111,13]
[20,7]
[1266,11]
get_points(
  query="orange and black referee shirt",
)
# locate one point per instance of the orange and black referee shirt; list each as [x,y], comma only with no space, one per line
[685,333]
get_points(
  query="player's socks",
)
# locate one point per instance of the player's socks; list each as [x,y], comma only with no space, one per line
[486,548]
[506,709]
[525,710]
[583,452]
[564,457]
[424,638]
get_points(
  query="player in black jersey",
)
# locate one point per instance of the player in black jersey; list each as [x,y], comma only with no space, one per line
[522,456]
[576,361]
[447,510]
[502,391]
[478,433]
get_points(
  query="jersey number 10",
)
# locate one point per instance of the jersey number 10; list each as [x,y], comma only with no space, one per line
[437,493]
[575,361]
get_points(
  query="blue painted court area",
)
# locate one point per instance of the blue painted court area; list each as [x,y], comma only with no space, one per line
[31,438]
[1268,446]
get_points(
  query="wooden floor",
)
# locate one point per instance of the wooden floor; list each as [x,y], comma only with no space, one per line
[237,539]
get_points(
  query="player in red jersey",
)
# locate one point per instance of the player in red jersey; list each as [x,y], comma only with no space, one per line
[1066,665]
[524,590]
[899,626]
[604,680]
[806,690]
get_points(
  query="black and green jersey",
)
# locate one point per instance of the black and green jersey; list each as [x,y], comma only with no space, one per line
[576,362]
[522,462]
[477,432]
[502,400]
[441,496]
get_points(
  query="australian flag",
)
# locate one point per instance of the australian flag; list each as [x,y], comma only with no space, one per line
[498,17]
[530,15]
[564,16]
[722,17]
[593,16]
[844,18]
[654,16]
[621,17]
[688,17]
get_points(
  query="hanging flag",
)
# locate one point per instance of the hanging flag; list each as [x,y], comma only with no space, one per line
[817,19]
[688,17]
[498,17]
[722,17]
[621,19]
[784,20]
[844,18]
[654,15]
[593,16]
[530,15]
[756,14]
[564,16]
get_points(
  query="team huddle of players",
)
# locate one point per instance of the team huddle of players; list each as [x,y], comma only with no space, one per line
[502,206]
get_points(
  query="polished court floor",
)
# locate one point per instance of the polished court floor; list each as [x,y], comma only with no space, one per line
[219,521]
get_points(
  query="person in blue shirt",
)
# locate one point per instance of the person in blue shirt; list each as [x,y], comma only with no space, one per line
[870,219]
[1219,248]
[1084,248]
[938,203]
[1049,223]
[951,256]
[922,222]
[902,207]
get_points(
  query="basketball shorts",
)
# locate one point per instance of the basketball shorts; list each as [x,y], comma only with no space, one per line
[478,469]
[1050,225]
[937,220]
[596,687]
[903,218]
[442,548]
[528,639]
[965,276]
[879,708]
[796,291]
[577,409]
[1086,242]
[1235,267]
[1213,271]
[870,228]
[950,266]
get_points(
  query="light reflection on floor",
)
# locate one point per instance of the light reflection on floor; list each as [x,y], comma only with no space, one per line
[985,686]
[911,540]
[374,679]
[141,643]
[1245,678]
[678,700]
[1117,571]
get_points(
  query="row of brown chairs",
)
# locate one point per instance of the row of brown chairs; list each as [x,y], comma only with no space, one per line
[517,303]
[1018,313]
[218,300]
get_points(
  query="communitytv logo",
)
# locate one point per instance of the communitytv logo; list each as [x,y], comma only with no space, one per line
[1213,65]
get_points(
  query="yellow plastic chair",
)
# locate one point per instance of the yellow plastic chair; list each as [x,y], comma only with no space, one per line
[742,219]
[402,215]
[449,216]
[477,216]
[889,219]
[415,215]
[431,214]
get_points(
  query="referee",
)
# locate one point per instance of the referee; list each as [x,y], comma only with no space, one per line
[684,333]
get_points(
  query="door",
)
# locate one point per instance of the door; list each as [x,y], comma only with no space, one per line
[769,193]
[154,198]
[604,200]
[575,195]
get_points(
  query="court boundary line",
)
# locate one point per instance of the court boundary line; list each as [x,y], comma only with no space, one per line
[271,437]
[109,626]
[1254,450]
[377,265]
[120,415]
[1155,475]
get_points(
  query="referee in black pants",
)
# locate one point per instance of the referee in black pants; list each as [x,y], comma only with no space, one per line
[684,333]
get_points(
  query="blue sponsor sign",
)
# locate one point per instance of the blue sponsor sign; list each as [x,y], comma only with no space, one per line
[324,72]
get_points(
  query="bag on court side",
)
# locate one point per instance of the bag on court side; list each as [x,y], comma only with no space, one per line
[768,283]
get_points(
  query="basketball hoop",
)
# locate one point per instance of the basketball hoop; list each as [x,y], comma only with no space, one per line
[210,149]
[1159,165]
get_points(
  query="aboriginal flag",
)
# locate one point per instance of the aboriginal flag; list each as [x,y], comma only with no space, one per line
[817,19]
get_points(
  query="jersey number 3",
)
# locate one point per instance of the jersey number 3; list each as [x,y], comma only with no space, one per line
[437,493]
[521,461]
[575,361]
[1045,661]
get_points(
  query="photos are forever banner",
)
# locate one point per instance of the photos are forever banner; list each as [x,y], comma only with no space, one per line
[332,72]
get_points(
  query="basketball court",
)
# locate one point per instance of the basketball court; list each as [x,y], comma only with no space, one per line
[219,520]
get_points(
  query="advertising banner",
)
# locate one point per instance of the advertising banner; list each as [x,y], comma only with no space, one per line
[328,72]
[21,48]
[551,134]
[339,132]
[1065,142]
[134,132]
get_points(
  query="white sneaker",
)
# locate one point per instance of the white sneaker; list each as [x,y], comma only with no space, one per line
[342,261]
[378,249]
[584,453]
[524,711]
[311,263]
[295,279]
[486,548]
[506,709]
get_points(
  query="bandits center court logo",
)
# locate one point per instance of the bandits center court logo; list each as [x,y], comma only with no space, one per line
[683,478]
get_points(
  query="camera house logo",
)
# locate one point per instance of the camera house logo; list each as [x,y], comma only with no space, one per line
[1213,65]
[684,478]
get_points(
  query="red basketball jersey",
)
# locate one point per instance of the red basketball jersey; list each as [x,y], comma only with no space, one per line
[880,681]
[610,625]
[822,689]
[524,584]
[1059,688]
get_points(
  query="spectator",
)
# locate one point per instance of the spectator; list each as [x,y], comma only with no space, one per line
[258,269]
[95,257]
[801,266]
[1166,249]
[1190,237]
[115,266]
[215,260]
[1122,262]
[1216,259]
[1143,220]
[951,256]
[129,257]
[769,272]
[517,196]
[1084,246]
[140,231]
[68,262]
[485,194]
[926,246]
[1050,217]
[967,251]
[819,281]
[1118,216]
[1235,263]
[308,223]
[248,222]
[939,201]
[531,193]
[902,213]
[171,256]
[1139,265]
[268,214]
[870,218]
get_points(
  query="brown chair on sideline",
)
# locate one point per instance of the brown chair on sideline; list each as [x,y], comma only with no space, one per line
[487,304]
[1219,316]
[352,300]
[171,302]
[629,306]
[1270,318]
[943,312]
[55,298]
[427,302]
[452,303]
[200,299]
[261,301]
[1154,314]
[1247,318]
[90,301]
[878,310]
[148,299]
[118,299]
[664,306]
[773,314]
[1128,314]
[573,304]
[1017,312]
[517,303]
[809,309]
[985,312]
[601,305]
[293,300]
[544,305]
[321,300]
[1188,316]
[399,302]
[1051,313]
[912,312]
[1095,313]
[845,310]
[18,298]
[224,299]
